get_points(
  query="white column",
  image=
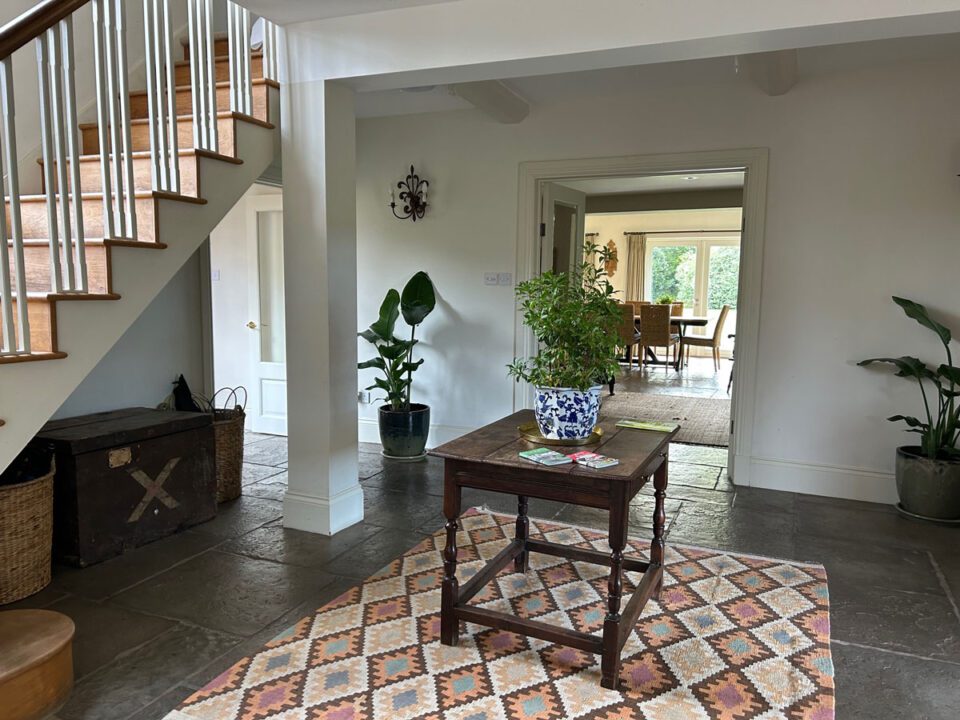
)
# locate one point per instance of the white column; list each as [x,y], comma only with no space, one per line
[320,274]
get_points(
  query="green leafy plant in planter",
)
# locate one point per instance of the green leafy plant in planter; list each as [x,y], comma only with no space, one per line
[576,321]
[666,299]
[404,425]
[928,475]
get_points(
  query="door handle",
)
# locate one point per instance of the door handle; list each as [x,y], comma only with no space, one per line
[252,325]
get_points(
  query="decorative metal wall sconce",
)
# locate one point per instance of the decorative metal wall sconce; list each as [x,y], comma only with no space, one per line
[413,197]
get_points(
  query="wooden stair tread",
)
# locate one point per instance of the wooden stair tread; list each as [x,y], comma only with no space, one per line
[146,155]
[95,242]
[32,357]
[34,296]
[139,195]
[221,114]
[221,85]
[30,637]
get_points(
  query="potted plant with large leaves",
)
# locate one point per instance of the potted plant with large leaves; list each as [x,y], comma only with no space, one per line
[576,321]
[928,475]
[404,425]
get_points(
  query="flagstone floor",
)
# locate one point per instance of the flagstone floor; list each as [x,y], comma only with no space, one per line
[160,621]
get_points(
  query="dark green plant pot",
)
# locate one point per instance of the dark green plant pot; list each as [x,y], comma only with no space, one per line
[928,488]
[403,433]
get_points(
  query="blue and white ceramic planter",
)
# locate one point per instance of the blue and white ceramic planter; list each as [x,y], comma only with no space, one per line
[565,413]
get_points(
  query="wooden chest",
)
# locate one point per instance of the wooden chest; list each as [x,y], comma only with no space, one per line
[128,477]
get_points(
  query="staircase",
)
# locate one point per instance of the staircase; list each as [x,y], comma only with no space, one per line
[156,173]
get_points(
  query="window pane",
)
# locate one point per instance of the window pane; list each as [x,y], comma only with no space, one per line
[722,278]
[673,273]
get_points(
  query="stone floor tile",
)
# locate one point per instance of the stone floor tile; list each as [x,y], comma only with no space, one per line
[295,547]
[102,580]
[134,681]
[104,631]
[370,464]
[226,592]
[698,454]
[873,684]
[255,473]
[373,554]
[50,594]
[273,488]
[715,526]
[425,477]
[161,707]
[240,516]
[271,451]
[701,476]
[396,509]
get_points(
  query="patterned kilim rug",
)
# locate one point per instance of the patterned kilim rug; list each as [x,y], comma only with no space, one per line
[732,637]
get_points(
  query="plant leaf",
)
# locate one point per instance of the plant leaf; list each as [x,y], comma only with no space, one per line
[949,373]
[418,299]
[373,363]
[919,313]
[909,420]
[369,336]
[906,367]
[389,312]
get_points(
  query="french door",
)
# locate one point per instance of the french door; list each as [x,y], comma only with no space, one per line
[701,270]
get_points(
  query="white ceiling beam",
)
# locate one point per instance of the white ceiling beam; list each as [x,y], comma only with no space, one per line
[495,99]
[775,73]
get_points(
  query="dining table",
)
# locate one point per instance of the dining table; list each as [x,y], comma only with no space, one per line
[681,322]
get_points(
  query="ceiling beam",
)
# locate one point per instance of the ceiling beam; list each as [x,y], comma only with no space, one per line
[495,99]
[775,73]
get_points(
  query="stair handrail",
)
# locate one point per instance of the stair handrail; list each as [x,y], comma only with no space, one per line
[34,22]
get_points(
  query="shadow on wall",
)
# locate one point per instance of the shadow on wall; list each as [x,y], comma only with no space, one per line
[461,351]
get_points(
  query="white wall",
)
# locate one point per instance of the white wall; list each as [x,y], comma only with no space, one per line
[230,294]
[862,204]
[165,341]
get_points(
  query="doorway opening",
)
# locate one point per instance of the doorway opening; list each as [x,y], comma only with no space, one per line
[686,232]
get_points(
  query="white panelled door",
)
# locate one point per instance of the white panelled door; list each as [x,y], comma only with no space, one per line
[267,408]
[563,214]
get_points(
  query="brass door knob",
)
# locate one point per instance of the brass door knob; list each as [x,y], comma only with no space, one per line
[252,325]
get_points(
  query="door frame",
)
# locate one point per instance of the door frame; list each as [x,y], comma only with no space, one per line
[754,161]
[553,195]
[254,205]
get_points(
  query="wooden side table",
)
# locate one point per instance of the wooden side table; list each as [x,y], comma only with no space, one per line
[488,459]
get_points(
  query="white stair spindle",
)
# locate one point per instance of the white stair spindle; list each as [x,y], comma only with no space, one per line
[232,55]
[247,84]
[211,76]
[156,171]
[8,110]
[193,33]
[46,143]
[174,169]
[8,340]
[121,40]
[115,122]
[101,37]
[73,156]
[57,118]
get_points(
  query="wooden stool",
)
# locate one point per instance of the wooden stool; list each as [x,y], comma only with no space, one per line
[36,662]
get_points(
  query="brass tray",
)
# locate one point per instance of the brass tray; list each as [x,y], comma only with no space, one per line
[531,432]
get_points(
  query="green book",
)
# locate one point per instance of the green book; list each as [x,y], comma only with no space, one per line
[654,425]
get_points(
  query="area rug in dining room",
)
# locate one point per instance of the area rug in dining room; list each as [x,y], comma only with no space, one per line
[732,637]
[703,421]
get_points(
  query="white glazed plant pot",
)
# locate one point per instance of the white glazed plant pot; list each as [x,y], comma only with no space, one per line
[565,413]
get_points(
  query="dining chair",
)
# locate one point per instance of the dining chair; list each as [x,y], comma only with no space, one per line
[655,328]
[712,342]
[677,310]
[629,337]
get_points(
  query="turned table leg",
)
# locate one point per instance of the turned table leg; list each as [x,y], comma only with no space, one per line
[522,562]
[449,595]
[659,519]
[610,660]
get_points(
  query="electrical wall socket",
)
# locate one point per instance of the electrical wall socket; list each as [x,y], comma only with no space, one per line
[505,279]
[491,278]
[364,397]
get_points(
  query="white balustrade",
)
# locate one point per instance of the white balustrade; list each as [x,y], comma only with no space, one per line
[161,96]
[270,50]
[203,74]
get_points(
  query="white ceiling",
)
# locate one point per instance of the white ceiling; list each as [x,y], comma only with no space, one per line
[658,183]
[545,89]
[292,11]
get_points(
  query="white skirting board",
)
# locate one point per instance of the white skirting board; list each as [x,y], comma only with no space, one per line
[811,479]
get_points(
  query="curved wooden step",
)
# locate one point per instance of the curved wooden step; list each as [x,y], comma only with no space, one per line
[36,662]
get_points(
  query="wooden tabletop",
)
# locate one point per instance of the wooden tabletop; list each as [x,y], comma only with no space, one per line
[499,444]
[695,320]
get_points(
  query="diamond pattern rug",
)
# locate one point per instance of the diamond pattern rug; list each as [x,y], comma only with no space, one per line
[732,637]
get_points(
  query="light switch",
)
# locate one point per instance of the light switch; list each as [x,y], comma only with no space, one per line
[505,279]
[491,278]
[215,275]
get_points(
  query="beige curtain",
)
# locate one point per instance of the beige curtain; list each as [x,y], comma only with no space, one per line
[636,252]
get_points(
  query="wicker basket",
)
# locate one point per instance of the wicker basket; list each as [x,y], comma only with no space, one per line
[26,537]
[228,440]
